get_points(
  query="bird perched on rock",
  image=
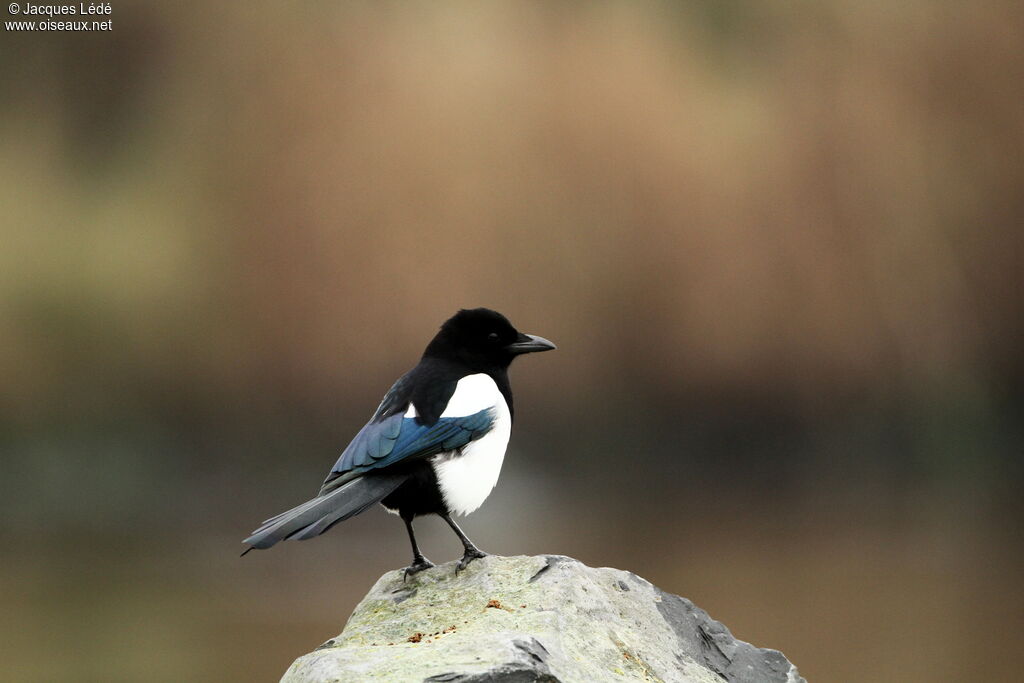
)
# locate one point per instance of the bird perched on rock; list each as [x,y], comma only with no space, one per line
[435,444]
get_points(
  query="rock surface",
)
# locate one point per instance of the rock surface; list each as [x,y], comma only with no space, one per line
[547,618]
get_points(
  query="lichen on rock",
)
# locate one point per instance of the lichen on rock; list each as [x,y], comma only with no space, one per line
[519,619]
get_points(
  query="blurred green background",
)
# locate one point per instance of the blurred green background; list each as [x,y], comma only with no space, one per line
[779,246]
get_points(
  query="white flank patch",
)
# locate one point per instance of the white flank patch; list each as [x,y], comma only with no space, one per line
[467,477]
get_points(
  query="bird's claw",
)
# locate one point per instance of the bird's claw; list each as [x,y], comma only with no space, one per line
[416,567]
[471,554]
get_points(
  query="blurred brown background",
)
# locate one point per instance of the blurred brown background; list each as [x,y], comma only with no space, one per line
[779,246]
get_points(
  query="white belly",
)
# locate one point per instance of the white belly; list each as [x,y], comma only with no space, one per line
[467,477]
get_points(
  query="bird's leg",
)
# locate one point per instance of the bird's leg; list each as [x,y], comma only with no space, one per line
[419,563]
[472,552]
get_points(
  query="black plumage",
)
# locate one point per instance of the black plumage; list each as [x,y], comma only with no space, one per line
[441,410]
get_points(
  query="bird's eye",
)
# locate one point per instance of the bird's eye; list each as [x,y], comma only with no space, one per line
[493,336]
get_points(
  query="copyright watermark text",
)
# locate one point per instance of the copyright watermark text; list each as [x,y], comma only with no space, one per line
[83,16]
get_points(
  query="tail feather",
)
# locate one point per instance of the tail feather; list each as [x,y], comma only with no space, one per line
[316,516]
[327,521]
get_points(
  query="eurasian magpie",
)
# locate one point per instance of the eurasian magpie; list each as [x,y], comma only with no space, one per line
[435,444]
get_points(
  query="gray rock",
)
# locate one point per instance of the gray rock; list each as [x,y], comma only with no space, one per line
[533,619]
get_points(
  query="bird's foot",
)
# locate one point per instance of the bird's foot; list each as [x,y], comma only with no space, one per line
[471,554]
[418,565]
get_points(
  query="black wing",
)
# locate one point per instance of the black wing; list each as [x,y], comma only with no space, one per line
[398,439]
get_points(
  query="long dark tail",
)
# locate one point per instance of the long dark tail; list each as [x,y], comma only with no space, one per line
[316,516]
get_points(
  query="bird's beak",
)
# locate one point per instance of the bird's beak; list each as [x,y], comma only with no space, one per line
[529,343]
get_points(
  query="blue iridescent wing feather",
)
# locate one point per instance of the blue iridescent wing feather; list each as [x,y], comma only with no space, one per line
[398,438]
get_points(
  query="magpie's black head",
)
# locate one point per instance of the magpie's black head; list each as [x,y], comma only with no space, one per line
[483,339]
